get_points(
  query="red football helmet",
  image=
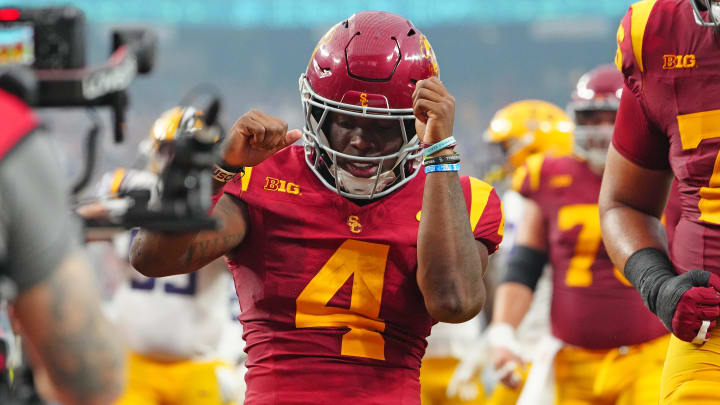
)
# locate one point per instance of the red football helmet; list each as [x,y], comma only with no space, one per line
[365,66]
[594,105]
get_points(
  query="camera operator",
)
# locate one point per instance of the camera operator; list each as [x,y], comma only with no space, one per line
[45,275]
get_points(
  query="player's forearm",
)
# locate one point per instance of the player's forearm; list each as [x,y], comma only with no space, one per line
[512,302]
[631,202]
[157,254]
[68,335]
[450,267]
[626,230]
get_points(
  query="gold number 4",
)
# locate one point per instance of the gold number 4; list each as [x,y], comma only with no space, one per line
[364,261]
[587,245]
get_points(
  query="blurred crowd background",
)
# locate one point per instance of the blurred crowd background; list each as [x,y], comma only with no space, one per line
[490,54]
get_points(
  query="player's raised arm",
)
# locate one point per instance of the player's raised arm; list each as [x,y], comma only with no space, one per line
[451,263]
[253,138]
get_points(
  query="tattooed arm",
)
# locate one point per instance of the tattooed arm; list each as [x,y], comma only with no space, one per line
[68,337]
[253,138]
[57,309]
[156,254]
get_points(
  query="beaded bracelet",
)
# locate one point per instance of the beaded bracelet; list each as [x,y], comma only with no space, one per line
[448,142]
[454,167]
[439,160]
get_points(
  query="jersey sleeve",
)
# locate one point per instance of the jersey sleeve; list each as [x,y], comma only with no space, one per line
[636,138]
[236,188]
[630,38]
[526,179]
[240,186]
[486,213]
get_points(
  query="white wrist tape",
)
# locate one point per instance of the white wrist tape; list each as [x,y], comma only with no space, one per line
[503,335]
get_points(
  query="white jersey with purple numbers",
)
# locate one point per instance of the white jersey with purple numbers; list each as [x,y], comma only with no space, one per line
[179,317]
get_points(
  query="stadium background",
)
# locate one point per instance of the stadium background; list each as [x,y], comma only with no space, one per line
[490,53]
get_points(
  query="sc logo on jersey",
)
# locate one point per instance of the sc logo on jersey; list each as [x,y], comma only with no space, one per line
[679,61]
[354,223]
[282,186]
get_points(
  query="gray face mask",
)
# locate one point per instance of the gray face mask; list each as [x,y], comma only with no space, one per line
[592,143]
[715,11]
[713,19]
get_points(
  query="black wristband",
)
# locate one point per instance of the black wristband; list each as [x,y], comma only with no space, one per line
[442,159]
[648,269]
[229,168]
[525,266]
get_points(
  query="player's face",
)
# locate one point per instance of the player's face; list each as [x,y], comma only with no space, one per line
[366,137]
[595,117]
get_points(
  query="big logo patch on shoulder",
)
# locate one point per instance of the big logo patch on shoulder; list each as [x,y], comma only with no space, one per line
[281,186]
[679,61]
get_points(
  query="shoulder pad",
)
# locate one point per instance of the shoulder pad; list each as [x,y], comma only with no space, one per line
[630,36]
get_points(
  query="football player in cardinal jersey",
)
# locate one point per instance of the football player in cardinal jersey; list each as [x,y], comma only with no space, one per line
[607,347]
[172,326]
[520,129]
[346,250]
[668,126]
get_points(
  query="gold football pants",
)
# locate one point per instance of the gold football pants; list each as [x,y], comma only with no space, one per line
[178,383]
[504,395]
[627,375]
[692,373]
[435,375]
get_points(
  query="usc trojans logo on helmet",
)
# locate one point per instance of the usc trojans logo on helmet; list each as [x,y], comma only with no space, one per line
[429,54]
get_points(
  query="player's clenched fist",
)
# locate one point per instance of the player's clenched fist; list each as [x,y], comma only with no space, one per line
[256,136]
[434,108]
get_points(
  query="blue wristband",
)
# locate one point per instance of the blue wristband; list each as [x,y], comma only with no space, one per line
[436,147]
[454,167]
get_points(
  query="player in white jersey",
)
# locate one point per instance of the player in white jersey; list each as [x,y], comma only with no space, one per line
[175,328]
[521,129]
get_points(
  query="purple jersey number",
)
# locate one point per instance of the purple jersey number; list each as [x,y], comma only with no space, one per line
[187,288]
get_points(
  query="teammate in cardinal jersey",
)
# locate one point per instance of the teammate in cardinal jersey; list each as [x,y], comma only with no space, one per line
[608,347]
[459,352]
[669,54]
[173,327]
[345,251]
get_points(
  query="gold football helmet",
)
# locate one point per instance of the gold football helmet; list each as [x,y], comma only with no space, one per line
[527,127]
[158,147]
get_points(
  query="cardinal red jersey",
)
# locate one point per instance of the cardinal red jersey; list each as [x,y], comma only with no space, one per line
[669,117]
[671,215]
[331,309]
[593,305]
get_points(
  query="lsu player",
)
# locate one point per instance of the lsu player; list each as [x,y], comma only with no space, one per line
[173,326]
[667,127]
[521,129]
[609,347]
[346,250]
